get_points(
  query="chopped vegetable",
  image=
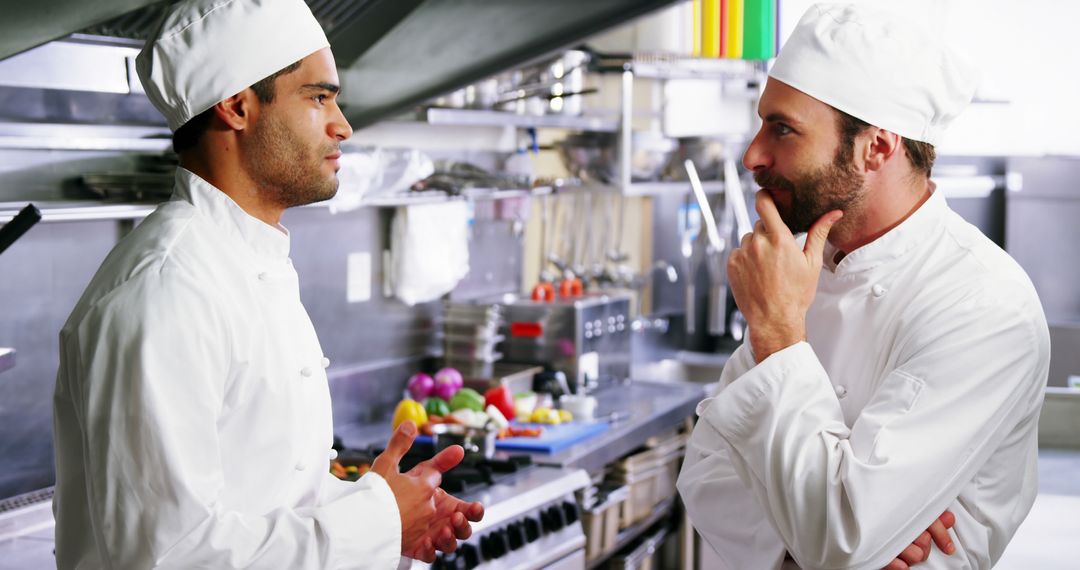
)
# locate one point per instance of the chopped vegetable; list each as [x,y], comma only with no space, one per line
[497,417]
[545,416]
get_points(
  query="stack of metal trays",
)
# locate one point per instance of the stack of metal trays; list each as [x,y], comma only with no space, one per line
[471,338]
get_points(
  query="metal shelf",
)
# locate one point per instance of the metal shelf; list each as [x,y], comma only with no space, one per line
[697,68]
[657,188]
[630,533]
[80,212]
[485,118]
[641,188]
[436,197]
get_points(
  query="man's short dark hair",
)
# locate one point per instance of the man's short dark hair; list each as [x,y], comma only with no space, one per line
[188,135]
[921,155]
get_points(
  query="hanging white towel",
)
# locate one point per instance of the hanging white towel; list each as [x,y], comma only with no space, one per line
[429,246]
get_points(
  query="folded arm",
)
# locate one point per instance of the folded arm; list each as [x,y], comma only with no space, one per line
[854,498]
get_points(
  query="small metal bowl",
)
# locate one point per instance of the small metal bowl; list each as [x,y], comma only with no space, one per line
[475,441]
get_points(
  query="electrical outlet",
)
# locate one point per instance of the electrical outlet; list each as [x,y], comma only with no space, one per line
[358,277]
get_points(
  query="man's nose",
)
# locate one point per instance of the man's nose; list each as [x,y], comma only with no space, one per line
[757,155]
[340,127]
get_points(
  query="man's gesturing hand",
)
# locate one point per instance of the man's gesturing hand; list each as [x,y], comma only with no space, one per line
[430,518]
[774,281]
[919,551]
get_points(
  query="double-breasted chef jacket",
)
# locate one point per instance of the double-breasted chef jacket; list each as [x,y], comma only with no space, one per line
[192,411]
[918,390]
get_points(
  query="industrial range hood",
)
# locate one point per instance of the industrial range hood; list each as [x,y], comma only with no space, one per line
[392,54]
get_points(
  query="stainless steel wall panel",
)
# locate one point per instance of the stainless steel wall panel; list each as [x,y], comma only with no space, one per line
[350,333]
[41,277]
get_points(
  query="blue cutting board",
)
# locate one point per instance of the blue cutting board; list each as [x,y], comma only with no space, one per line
[553,440]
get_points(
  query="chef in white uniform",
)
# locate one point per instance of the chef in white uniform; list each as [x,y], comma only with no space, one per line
[896,361]
[192,411]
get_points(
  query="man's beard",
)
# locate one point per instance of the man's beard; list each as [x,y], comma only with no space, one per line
[835,186]
[285,168]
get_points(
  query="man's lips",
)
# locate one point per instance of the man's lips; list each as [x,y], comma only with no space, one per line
[777,192]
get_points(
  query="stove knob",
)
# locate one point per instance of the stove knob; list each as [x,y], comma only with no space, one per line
[502,546]
[515,534]
[441,563]
[487,550]
[470,555]
[556,518]
[545,521]
[532,529]
[570,509]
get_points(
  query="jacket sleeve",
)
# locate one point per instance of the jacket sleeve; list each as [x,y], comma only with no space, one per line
[151,392]
[722,508]
[854,498]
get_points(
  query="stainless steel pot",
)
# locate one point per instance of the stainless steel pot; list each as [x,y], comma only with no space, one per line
[475,441]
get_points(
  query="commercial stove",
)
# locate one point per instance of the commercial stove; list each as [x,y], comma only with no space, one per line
[531,517]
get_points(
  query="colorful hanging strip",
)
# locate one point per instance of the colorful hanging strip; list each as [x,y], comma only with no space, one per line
[733,28]
[759,26]
[710,28]
[695,27]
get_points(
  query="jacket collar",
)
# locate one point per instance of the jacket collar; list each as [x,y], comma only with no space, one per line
[916,229]
[263,238]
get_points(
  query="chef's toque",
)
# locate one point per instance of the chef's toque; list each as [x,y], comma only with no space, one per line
[879,67]
[205,51]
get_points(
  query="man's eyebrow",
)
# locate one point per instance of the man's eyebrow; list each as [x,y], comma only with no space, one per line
[323,86]
[781,118]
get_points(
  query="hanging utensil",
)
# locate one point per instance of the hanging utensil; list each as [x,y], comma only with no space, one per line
[19,225]
[544,290]
[703,203]
[733,192]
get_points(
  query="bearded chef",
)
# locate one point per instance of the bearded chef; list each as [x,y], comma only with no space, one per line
[192,411]
[895,364]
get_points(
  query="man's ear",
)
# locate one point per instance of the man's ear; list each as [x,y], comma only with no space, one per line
[883,145]
[236,111]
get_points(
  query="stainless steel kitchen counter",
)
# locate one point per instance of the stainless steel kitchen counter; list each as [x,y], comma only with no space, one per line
[645,409]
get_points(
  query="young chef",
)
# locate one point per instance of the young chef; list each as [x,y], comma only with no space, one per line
[192,412]
[904,379]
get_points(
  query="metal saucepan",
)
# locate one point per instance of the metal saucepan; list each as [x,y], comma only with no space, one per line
[475,441]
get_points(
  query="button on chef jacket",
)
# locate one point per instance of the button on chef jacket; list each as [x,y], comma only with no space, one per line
[192,411]
[917,391]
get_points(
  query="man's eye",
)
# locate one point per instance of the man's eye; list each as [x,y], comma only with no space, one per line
[320,99]
[782,129]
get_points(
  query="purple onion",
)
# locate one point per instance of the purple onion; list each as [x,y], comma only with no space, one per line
[450,375]
[420,386]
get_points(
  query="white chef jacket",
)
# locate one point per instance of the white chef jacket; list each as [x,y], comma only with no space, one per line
[192,411]
[918,391]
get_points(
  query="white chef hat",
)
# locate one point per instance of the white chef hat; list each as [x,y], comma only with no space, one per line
[879,67]
[205,51]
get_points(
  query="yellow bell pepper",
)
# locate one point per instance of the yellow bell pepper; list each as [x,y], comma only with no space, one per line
[410,410]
